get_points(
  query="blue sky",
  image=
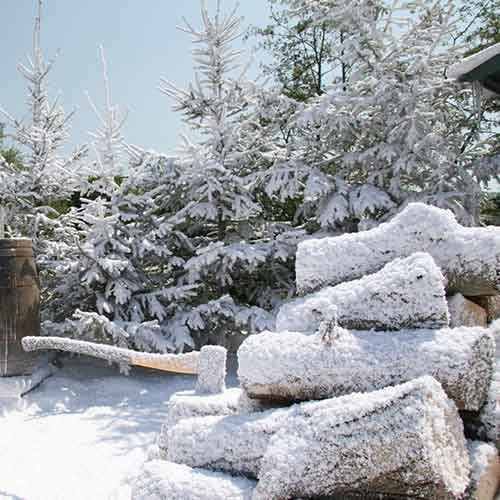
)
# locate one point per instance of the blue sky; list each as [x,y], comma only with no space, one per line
[141,43]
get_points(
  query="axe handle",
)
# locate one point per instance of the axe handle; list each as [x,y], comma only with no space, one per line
[178,363]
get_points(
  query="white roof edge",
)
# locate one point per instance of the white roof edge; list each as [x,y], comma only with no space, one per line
[469,63]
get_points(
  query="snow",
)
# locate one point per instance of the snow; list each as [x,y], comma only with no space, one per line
[406,293]
[468,257]
[83,431]
[466,65]
[296,366]
[161,480]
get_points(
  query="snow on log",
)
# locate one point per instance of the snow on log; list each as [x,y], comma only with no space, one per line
[233,444]
[406,293]
[160,480]
[468,257]
[188,404]
[296,367]
[178,363]
[403,440]
[485,473]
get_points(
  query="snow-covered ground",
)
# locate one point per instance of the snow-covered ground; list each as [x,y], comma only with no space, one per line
[80,433]
[86,429]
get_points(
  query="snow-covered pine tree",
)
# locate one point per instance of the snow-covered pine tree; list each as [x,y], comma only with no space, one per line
[110,279]
[240,264]
[34,192]
[394,131]
[107,141]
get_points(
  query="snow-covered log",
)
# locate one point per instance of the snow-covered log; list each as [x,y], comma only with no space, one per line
[160,480]
[297,367]
[188,404]
[485,471]
[484,425]
[406,293]
[232,444]
[403,440]
[468,257]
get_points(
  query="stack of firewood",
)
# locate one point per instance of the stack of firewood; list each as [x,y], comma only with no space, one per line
[379,381]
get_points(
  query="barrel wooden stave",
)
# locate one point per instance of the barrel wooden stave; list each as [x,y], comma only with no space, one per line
[19,306]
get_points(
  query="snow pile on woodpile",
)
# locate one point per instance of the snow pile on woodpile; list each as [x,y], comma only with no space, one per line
[369,387]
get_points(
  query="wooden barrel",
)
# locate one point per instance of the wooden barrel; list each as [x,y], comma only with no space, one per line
[19,306]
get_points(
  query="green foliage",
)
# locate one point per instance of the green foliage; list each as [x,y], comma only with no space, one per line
[302,52]
[10,154]
[482,28]
[490,209]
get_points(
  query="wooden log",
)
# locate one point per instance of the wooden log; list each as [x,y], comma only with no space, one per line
[408,435]
[179,363]
[403,440]
[189,404]
[234,444]
[464,312]
[468,257]
[484,425]
[491,304]
[297,367]
[485,473]
[159,480]
[406,293]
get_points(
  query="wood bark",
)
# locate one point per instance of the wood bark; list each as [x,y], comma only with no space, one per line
[404,440]
[406,293]
[468,257]
[297,367]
